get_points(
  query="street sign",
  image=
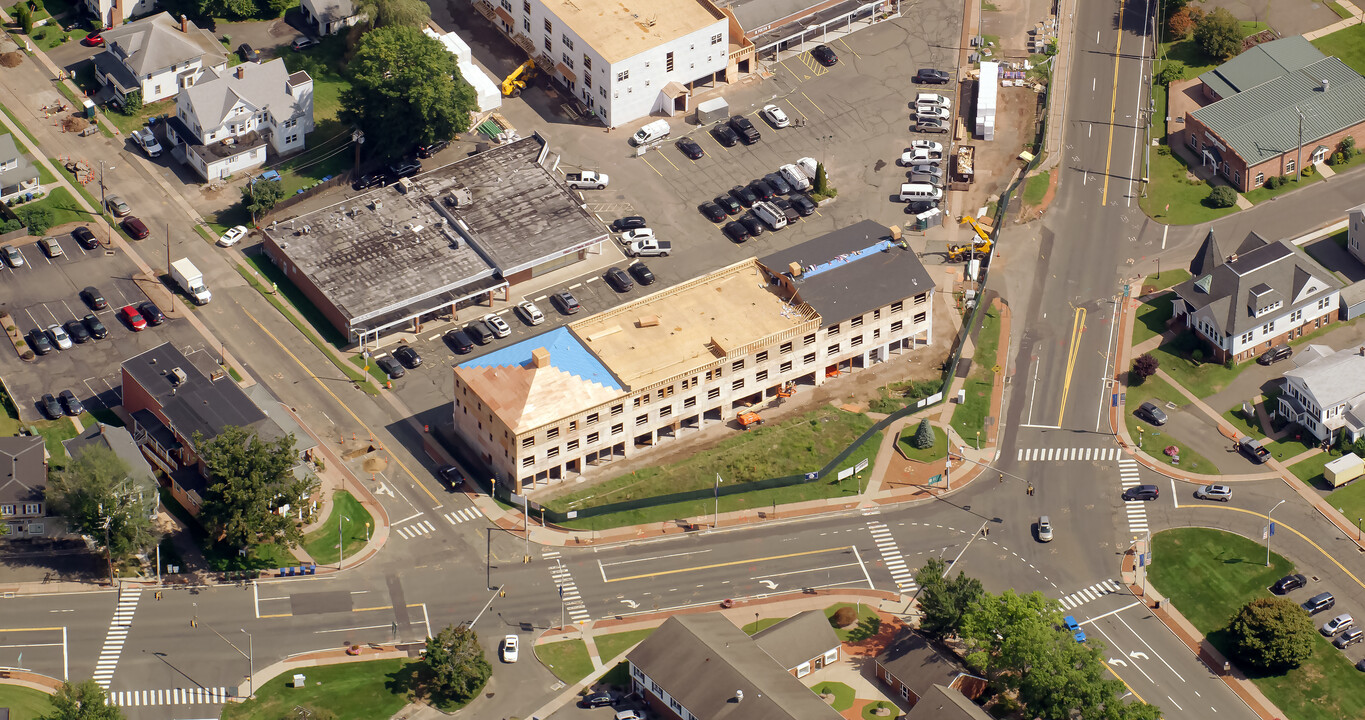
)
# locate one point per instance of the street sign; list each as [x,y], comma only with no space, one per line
[936,479]
[996,369]
[1272,528]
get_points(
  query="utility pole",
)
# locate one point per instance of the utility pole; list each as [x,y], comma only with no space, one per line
[108,551]
[1270,530]
[251,663]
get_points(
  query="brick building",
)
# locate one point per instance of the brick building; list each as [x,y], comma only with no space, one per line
[911,666]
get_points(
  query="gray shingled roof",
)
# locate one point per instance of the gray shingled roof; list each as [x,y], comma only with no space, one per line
[23,470]
[943,703]
[22,172]
[798,638]
[329,11]
[1262,122]
[262,86]
[917,664]
[1262,63]
[155,43]
[1337,378]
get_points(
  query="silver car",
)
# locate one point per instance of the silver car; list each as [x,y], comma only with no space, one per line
[59,337]
[1337,624]
[530,313]
[497,325]
[1214,492]
[1044,529]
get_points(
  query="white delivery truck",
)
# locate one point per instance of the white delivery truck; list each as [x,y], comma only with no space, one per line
[188,277]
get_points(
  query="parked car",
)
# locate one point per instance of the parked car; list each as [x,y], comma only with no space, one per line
[94,39]
[94,298]
[117,206]
[37,339]
[85,237]
[633,222]
[778,183]
[631,236]
[1074,628]
[1141,492]
[146,139]
[509,649]
[729,204]
[932,76]
[1320,602]
[303,42]
[50,407]
[690,148]
[619,280]
[499,326]
[1151,413]
[51,246]
[929,146]
[597,700]
[403,167]
[736,231]
[367,181]
[59,336]
[751,223]
[459,341]
[96,328]
[566,302]
[451,476]
[135,228]
[744,195]
[930,125]
[429,151]
[1275,354]
[1287,583]
[803,204]
[1214,492]
[1349,638]
[824,55]
[932,112]
[530,313]
[762,190]
[135,321]
[775,116]
[725,135]
[748,134]
[787,209]
[915,207]
[1337,624]
[1044,529]
[248,53]
[233,236]
[391,367]
[13,257]
[712,211]
[408,356]
[642,273]
[151,313]
[76,331]
[71,404]
[479,332]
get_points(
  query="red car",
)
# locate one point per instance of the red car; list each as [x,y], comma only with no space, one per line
[135,228]
[94,39]
[134,318]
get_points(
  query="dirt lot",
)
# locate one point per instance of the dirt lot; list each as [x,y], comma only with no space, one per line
[996,161]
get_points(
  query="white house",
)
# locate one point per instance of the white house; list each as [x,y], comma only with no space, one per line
[117,12]
[329,16]
[17,175]
[227,121]
[624,59]
[157,55]
[1355,232]
[1262,295]
[1327,396]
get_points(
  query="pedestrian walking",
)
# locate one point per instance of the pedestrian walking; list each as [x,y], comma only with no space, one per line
[1030,489]
[1002,477]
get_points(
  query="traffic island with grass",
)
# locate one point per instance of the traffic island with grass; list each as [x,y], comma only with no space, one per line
[25,703]
[969,418]
[1153,439]
[906,443]
[567,659]
[349,691]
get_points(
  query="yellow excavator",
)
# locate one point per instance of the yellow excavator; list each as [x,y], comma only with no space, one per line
[516,82]
[982,247]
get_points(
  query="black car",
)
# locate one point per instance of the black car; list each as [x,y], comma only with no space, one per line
[744,195]
[76,331]
[824,55]
[459,341]
[71,403]
[762,190]
[1275,354]
[787,209]
[803,204]
[778,183]
[727,203]
[725,135]
[712,211]
[405,167]
[406,355]
[248,54]
[85,238]
[597,700]
[1287,583]
[566,302]
[51,408]
[367,181]
[634,222]
[915,207]
[931,76]
[451,475]
[736,231]
[1151,413]
[690,148]
[426,151]
[751,223]
[743,127]
[151,313]
[94,298]
[96,328]
[39,341]
[1141,492]
[618,279]
[391,367]
[642,273]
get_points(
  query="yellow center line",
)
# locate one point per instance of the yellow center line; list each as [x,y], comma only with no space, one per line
[1077,327]
[1279,524]
[343,405]
[812,102]
[1113,108]
[855,52]
[1125,683]
[651,166]
[728,564]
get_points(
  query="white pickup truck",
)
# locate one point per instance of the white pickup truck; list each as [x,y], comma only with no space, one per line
[649,248]
[586,180]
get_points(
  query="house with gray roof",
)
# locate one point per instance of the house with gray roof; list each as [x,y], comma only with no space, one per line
[17,175]
[802,643]
[1327,396]
[911,666]
[232,119]
[1257,102]
[329,16]
[158,56]
[1261,295]
[945,703]
[140,486]
[23,487]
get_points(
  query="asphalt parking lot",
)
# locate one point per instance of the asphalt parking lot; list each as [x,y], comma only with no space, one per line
[46,291]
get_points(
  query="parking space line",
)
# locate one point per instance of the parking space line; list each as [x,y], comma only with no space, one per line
[812,102]
[855,52]
[670,162]
[651,166]
[798,111]
[717,142]
[793,72]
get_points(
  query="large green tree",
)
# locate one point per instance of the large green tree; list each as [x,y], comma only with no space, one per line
[457,665]
[1219,33]
[386,13]
[259,196]
[83,701]
[944,601]
[96,490]
[405,91]
[250,480]
[1272,634]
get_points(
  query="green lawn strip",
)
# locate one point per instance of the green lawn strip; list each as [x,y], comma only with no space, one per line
[25,703]
[226,219]
[864,610]
[1350,500]
[969,418]
[271,555]
[1154,439]
[1208,575]
[1188,51]
[1263,193]
[54,432]
[906,442]
[879,710]
[1348,45]
[1246,426]
[356,525]
[326,161]
[348,691]
[1152,316]
[204,233]
[1174,199]
[1160,103]
[1036,188]
[61,203]
[1167,278]
[232,372]
[843,694]
[373,367]
[609,646]
[1311,470]
[617,677]
[297,299]
[761,625]
[128,123]
[1293,443]
[567,659]
[897,395]
[1341,12]
[1203,379]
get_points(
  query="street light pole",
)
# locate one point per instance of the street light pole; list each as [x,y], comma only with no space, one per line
[715,522]
[251,663]
[1269,530]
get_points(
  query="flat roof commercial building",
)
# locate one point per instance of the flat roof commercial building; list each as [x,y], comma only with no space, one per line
[432,244]
[666,365]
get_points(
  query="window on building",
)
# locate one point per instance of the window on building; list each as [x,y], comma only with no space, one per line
[1322,304]
[592,418]
[760,376]
[877,314]
[528,461]
[635,402]
[1289,167]
[567,42]
[6,510]
[571,445]
[856,322]
[642,419]
[737,385]
[713,393]
[856,341]
[689,402]
[602,90]
[528,442]
[549,27]
[547,44]
[568,61]
[525,6]
[896,326]
[896,306]
[832,349]
[786,348]
[737,365]
[617,429]
[1296,316]
[507,5]
[668,62]
[617,409]
[785,367]
[587,62]
[808,340]
[526,25]
[1260,179]
[552,433]
[921,317]
[712,375]
[1247,337]
[832,331]
[761,357]
[552,452]
[665,392]
[876,333]
[716,39]
[665,411]
[623,76]
[808,359]
[593,437]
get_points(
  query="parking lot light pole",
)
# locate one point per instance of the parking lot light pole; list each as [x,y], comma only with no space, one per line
[1269,528]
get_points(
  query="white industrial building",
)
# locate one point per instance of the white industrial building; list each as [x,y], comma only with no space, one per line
[488,90]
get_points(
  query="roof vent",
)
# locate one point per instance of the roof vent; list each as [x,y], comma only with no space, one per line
[739,696]
[1324,85]
[404,185]
[178,376]
[376,204]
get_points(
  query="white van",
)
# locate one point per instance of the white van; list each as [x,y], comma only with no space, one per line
[794,175]
[657,130]
[770,214]
[920,191]
[933,99]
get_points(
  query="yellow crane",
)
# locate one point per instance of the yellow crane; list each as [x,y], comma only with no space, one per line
[516,82]
[958,253]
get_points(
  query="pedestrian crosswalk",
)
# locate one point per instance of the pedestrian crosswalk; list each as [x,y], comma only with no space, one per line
[568,591]
[170,696]
[891,555]
[421,527]
[1090,454]
[1135,509]
[459,516]
[1094,592]
[118,633]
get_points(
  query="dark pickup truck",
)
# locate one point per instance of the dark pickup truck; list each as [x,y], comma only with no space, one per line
[1253,449]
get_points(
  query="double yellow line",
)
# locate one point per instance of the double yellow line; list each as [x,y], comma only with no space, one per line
[1077,327]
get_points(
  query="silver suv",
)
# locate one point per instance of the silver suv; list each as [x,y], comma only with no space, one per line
[1214,492]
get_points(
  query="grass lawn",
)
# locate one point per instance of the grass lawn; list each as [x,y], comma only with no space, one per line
[128,123]
[567,659]
[761,625]
[349,691]
[843,694]
[878,710]
[1246,426]
[1168,278]
[1350,500]
[970,416]
[290,292]
[896,395]
[865,612]
[617,677]
[1152,316]
[321,544]
[1263,193]
[1160,104]
[1154,439]
[54,432]
[1175,200]
[938,451]
[1203,379]
[1347,44]
[1208,575]
[609,646]
[373,367]
[1310,470]
[63,206]
[1036,188]
[1341,12]
[24,703]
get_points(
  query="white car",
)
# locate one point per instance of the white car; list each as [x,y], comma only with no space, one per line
[509,649]
[146,140]
[1044,529]
[629,715]
[1214,492]
[233,236]
[929,146]
[932,99]
[631,236]
[497,325]
[1337,624]
[530,313]
[932,111]
[59,337]
[775,116]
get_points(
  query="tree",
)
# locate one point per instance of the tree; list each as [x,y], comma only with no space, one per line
[924,436]
[457,665]
[98,488]
[1347,147]
[843,617]
[1222,197]
[259,196]
[1181,23]
[1144,366]
[37,218]
[1273,634]
[387,13]
[25,17]
[273,8]
[250,480]
[132,103]
[944,601]
[1171,71]
[821,180]
[85,701]
[1219,33]
[405,90]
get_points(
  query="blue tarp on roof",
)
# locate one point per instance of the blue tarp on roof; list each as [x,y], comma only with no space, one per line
[566,353]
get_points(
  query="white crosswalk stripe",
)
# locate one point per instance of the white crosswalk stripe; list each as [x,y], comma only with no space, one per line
[421,527]
[568,591]
[891,556]
[1136,510]
[118,633]
[1088,594]
[170,696]
[459,516]
[1074,454]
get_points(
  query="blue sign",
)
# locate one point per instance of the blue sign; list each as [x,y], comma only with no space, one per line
[1272,528]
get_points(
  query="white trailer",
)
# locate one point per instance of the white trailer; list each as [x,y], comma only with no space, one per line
[987,93]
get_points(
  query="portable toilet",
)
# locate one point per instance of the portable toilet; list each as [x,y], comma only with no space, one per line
[89,106]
